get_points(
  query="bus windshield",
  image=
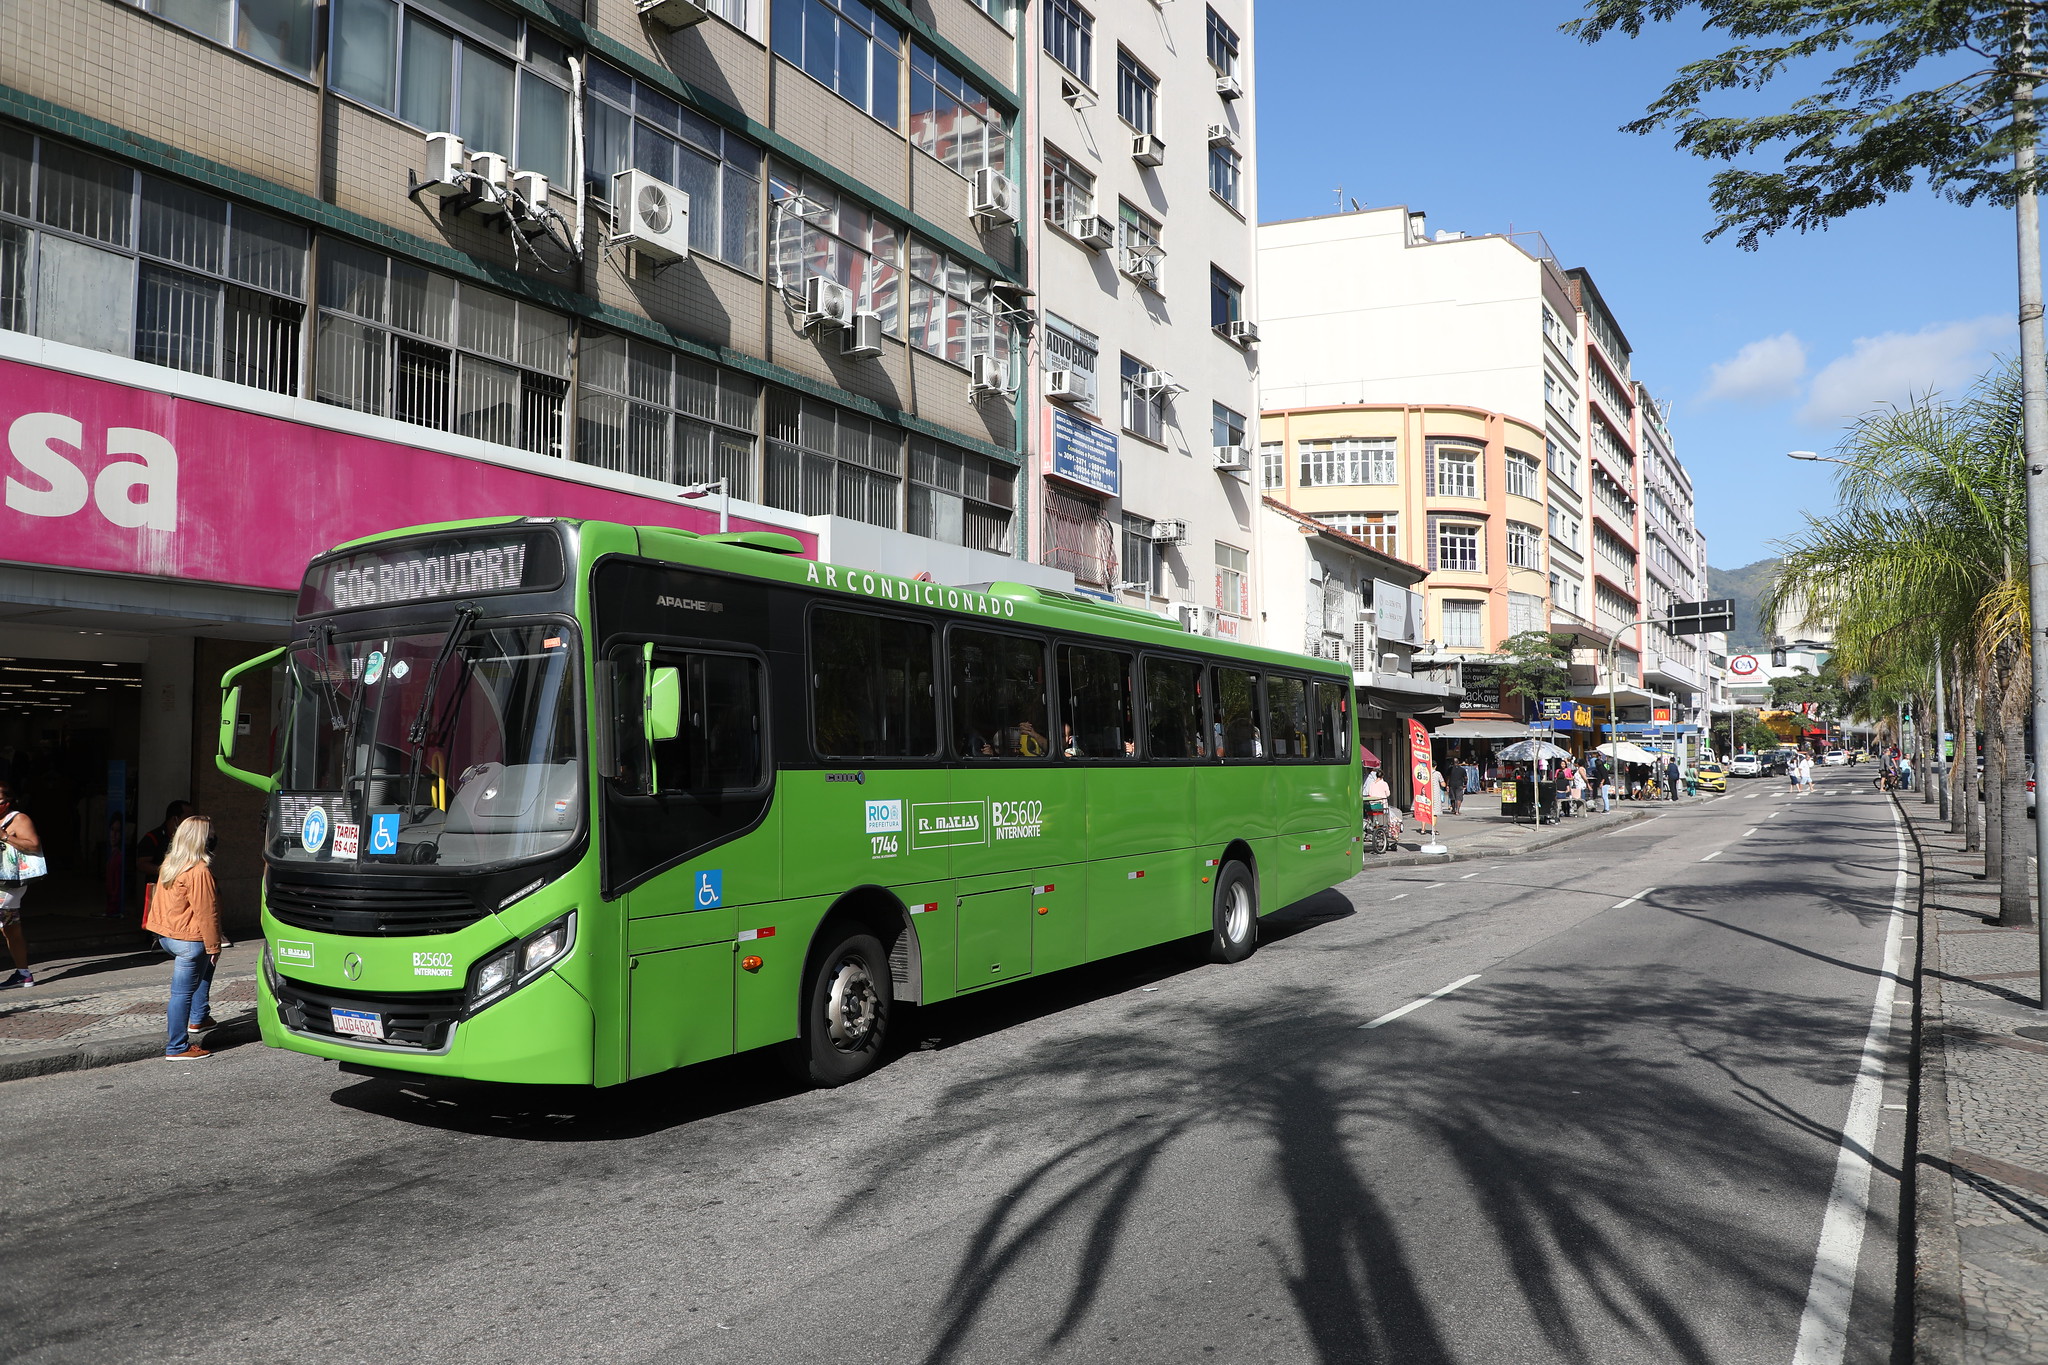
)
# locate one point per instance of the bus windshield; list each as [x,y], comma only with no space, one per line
[449,747]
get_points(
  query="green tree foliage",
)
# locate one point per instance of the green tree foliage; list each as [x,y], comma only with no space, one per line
[1799,688]
[1921,91]
[1535,664]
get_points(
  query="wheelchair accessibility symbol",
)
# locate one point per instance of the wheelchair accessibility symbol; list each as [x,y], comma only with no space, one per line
[710,889]
[384,833]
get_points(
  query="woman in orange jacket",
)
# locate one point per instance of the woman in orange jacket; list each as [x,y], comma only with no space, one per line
[184,914]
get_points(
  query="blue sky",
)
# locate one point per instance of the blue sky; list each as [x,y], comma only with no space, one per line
[1485,116]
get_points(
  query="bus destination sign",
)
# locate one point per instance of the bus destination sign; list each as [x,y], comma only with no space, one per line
[416,571]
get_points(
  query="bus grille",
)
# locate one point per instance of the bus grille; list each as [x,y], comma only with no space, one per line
[418,1019]
[370,911]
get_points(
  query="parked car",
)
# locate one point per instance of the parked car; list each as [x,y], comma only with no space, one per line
[1745,765]
[1835,758]
[1713,777]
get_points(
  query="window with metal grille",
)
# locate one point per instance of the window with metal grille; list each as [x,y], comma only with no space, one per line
[844,45]
[1078,538]
[960,497]
[825,461]
[1070,37]
[1464,624]
[1525,612]
[818,231]
[631,125]
[95,254]
[1457,546]
[402,341]
[1457,473]
[1347,460]
[1069,191]
[646,410]
[1137,93]
[952,120]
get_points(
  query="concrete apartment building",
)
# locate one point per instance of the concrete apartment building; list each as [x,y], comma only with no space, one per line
[252,306]
[1483,340]
[1145,374]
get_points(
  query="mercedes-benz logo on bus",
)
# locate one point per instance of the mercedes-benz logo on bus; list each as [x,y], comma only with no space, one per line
[352,967]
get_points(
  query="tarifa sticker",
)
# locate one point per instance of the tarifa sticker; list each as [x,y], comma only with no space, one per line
[374,670]
[864,584]
[949,824]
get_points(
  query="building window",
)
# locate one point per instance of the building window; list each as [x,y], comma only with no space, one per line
[1564,462]
[1525,612]
[1559,395]
[845,46]
[401,341]
[1143,569]
[1377,529]
[1463,624]
[94,254]
[1137,93]
[1138,233]
[1226,426]
[1222,44]
[1523,475]
[953,312]
[952,120]
[459,66]
[1564,527]
[279,32]
[1457,546]
[633,125]
[819,232]
[1225,170]
[1069,191]
[1272,464]
[1226,299]
[1003,12]
[1144,406]
[1078,538]
[1351,460]
[645,410]
[1457,473]
[1233,580]
[960,497]
[1070,38]
[1068,347]
[1560,336]
[1566,594]
[1525,546]
[824,461]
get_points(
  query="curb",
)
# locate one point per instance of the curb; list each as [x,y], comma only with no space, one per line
[1541,841]
[1929,1199]
[51,1061]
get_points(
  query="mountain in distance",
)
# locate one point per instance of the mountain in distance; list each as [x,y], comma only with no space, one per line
[1748,586]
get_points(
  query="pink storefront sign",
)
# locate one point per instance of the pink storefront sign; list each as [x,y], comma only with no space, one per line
[101,476]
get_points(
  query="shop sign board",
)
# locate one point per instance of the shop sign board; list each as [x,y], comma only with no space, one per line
[1421,775]
[1085,452]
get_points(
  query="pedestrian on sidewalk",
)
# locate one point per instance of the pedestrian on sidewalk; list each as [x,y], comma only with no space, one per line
[1454,787]
[1671,776]
[18,842]
[184,914]
[151,849]
[1603,782]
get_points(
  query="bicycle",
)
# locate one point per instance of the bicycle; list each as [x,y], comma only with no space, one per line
[1380,834]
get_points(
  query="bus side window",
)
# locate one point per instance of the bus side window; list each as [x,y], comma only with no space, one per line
[1173,710]
[1238,734]
[717,749]
[871,686]
[1096,685]
[999,695]
[622,690]
[1287,714]
[1333,722]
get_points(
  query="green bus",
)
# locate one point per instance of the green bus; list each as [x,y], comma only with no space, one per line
[575,802]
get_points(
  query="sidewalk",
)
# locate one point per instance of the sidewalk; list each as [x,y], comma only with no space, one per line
[100,1010]
[1981,1119]
[1481,832]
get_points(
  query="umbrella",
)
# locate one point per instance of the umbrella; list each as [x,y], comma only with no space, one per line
[1532,750]
[1367,758]
[1625,752]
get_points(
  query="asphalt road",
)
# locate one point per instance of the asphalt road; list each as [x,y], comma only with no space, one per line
[1617,1143]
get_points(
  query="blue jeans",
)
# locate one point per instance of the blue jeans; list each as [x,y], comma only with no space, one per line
[191,982]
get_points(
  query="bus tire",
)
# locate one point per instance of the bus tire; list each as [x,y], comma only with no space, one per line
[847,1003]
[1235,930]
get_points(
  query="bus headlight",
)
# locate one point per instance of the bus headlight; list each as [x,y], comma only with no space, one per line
[493,976]
[515,964]
[544,947]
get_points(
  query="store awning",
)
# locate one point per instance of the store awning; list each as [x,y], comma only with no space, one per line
[1482,729]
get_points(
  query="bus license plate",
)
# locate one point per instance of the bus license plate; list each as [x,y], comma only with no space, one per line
[359,1023]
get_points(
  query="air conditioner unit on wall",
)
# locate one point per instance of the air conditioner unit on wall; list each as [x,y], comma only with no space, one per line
[1068,386]
[1195,618]
[1148,150]
[1097,234]
[990,374]
[447,172]
[827,303]
[1222,135]
[1233,459]
[1142,268]
[862,340]
[490,179]
[673,13]
[993,198]
[1243,331]
[652,217]
[1174,532]
[530,201]
[1159,381]
[1230,87]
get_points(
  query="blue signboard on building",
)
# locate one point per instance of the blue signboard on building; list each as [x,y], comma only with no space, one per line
[1084,452]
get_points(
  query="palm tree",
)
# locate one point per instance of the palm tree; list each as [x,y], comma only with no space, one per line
[1926,553]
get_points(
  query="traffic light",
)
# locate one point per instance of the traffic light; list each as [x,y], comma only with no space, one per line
[1778,657]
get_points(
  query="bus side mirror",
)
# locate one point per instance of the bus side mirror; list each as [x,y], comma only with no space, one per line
[230,715]
[230,708]
[664,704]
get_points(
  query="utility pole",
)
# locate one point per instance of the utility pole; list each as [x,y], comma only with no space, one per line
[2034,434]
[1940,765]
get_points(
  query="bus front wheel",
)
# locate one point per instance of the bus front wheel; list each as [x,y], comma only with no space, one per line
[1236,923]
[847,1003]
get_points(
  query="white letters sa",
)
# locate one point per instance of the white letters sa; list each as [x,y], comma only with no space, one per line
[33,440]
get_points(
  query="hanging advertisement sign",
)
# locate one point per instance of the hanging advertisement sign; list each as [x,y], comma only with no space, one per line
[1421,774]
[1085,453]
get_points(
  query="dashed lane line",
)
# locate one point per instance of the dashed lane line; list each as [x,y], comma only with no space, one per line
[1391,1015]
[1623,905]
[1711,856]
[1751,830]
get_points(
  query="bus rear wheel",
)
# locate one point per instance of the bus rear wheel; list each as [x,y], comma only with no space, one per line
[847,1003]
[1236,917]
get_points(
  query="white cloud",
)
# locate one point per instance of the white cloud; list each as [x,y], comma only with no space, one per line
[1766,371]
[1895,366]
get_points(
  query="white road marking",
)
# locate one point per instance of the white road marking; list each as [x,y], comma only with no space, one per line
[1434,885]
[1752,796]
[1402,897]
[1391,1015]
[1468,876]
[1711,856]
[1751,830]
[1633,899]
[1824,1325]
[1774,815]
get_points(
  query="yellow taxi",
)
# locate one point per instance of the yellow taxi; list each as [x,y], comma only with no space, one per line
[1713,777]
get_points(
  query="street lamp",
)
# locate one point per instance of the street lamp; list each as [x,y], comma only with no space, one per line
[698,490]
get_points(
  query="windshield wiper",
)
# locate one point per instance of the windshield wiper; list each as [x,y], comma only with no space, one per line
[416,735]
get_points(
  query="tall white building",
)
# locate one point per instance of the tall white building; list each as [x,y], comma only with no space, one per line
[1144,370]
